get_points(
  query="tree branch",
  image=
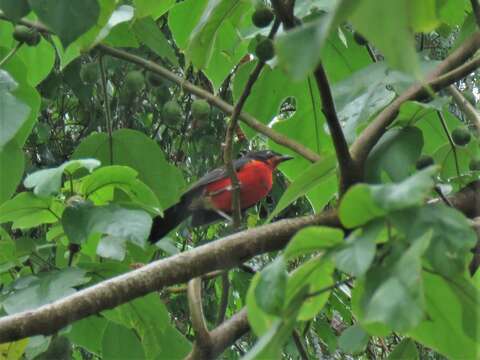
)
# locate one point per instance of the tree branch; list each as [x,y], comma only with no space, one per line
[347,167]
[222,307]
[472,114]
[195,306]
[224,253]
[370,136]
[476,11]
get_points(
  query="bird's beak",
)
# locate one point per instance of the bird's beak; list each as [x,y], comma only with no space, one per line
[282,158]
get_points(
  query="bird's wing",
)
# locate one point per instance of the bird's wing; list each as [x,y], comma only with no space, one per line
[217,174]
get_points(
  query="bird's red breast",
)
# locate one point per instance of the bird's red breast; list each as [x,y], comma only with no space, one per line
[255,179]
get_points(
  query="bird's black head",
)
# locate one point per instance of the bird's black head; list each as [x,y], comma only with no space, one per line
[268,156]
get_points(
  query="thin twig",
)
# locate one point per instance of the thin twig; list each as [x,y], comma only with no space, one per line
[468,109]
[331,287]
[450,140]
[108,116]
[10,54]
[299,344]
[194,293]
[476,11]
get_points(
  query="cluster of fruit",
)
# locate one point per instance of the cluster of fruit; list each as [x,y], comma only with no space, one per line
[261,18]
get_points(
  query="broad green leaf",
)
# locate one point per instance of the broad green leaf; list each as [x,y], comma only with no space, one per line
[15,9]
[155,9]
[444,330]
[406,350]
[12,162]
[313,238]
[325,332]
[49,181]
[13,350]
[42,289]
[121,343]
[151,321]
[88,333]
[203,36]
[312,276]
[13,111]
[259,320]
[123,13]
[118,224]
[26,210]
[270,290]
[148,33]
[135,149]
[309,40]
[363,203]
[448,160]
[362,95]
[357,255]
[452,235]
[7,247]
[393,291]
[311,177]
[68,19]
[42,55]
[395,154]
[353,340]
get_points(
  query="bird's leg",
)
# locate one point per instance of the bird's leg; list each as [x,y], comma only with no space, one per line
[223,214]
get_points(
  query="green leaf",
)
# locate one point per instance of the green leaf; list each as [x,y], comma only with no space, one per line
[68,19]
[353,340]
[406,350]
[270,291]
[151,321]
[155,9]
[121,343]
[88,333]
[13,111]
[49,181]
[122,14]
[27,210]
[42,55]
[358,253]
[203,36]
[449,315]
[118,224]
[313,238]
[31,292]
[15,9]
[311,177]
[395,154]
[393,292]
[312,276]
[309,40]
[452,235]
[363,203]
[12,162]
[259,320]
[148,33]
[136,150]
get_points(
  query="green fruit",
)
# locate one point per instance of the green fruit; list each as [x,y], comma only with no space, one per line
[264,50]
[200,109]
[359,39]
[424,161]
[171,112]
[461,136]
[26,35]
[474,164]
[154,79]
[89,73]
[134,81]
[262,17]
[162,94]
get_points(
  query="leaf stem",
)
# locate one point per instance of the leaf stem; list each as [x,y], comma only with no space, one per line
[108,116]
[10,54]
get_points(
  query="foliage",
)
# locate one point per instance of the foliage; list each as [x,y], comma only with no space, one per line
[93,146]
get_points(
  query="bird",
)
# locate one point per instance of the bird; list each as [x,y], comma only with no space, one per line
[210,198]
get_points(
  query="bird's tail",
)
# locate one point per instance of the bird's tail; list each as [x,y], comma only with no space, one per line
[172,217]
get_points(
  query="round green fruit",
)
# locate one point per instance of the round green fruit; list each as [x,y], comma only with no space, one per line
[162,94]
[134,81]
[424,161]
[26,35]
[154,79]
[359,39]
[474,164]
[262,17]
[171,112]
[200,109]
[89,73]
[265,50]
[461,136]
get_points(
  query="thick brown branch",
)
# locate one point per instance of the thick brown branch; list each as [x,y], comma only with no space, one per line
[222,307]
[195,306]
[347,169]
[224,253]
[370,136]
